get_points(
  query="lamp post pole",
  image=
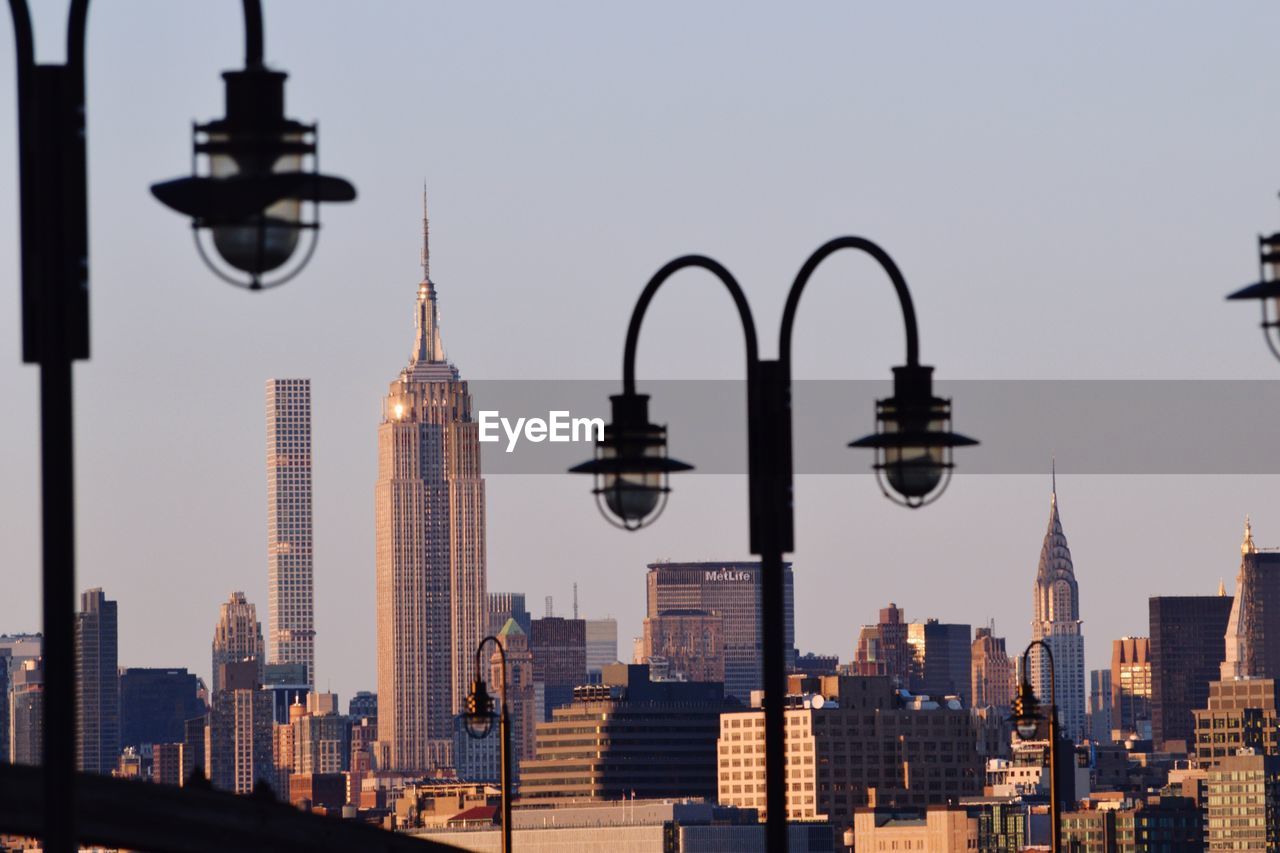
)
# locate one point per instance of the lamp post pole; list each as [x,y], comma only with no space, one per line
[1055,807]
[504,733]
[920,420]
[53,215]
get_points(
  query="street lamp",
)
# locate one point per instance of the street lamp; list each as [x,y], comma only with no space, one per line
[260,169]
[1266,290]
[913,444]
[478,721]
[1027,716]
[53,213]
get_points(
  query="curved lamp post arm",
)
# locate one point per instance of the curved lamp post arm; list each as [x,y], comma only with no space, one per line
[882,257]
[502,652]
[637,314]
[1053,671]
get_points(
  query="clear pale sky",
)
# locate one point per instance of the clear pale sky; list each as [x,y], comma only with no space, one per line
[1070,191]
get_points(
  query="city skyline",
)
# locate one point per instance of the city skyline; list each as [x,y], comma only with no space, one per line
[1075,147]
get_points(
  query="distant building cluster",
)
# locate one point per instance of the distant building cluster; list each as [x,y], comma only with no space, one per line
[899,742]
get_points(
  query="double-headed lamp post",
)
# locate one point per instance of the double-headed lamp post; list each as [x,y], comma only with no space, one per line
[262,170]
[479,719]
[913,444]
[1266,290]
[1027,716]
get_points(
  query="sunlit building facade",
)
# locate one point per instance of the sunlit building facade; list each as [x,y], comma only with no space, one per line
[430,548]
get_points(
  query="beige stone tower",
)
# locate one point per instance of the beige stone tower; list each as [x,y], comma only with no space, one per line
[430,554]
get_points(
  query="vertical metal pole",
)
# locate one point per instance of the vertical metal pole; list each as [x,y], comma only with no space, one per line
[1055,813]
[58,526]
[769,486]
[775,696]
[505,725]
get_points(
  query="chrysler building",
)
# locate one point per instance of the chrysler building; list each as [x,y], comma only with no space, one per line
[429,514]
[1057,622]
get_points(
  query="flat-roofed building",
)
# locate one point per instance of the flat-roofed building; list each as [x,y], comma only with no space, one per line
[1243,801]
[939,829]
[853,741]
[627,736]
[1241,715]
[1187,644]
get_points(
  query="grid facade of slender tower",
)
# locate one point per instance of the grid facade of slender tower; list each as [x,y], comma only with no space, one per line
[430,546]
[291,636]
[1057,622]
[97,677]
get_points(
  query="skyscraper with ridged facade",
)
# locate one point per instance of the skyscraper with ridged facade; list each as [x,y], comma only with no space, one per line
[430,547]
[1057,622]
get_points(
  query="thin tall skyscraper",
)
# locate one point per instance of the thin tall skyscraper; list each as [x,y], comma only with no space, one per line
[1057,622]
[98,711]
[237,637]
[291,636]
[430,552]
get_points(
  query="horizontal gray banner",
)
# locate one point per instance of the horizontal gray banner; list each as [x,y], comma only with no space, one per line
[1092,426]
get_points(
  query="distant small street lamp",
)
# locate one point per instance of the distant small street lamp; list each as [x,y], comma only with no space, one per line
[261,169]
[1027,717]
[1266,290]
[478,720]
[913,444]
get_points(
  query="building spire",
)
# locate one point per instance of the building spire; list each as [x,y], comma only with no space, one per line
[1247,546]
[426,237]
[1053,479]
[427,346]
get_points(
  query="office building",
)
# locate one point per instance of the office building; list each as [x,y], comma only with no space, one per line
[812,663]
[732,591]
[154,705]
[941,659]
[507,605]
[853,741]
[1243,802]
[522,693]
[237,637]
[993,673]
[559,648]
[26,712]
[1057,623]
[166,763]
[1187,645]
[1131,688]
[1099,714]
[321,743]
[239,748]
[1240,714]
[98,684]
[430,547]
[602,644]
[363,704]
[883,649]
[627,737]
[938,829]
[1251,651]
[291,635]
[288,686]
[686,645]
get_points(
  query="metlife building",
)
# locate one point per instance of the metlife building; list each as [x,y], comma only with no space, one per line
[731,590]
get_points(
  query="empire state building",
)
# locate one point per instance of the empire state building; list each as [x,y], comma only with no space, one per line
[430,553]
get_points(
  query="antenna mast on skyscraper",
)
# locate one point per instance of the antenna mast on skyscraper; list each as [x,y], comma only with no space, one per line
[548,607]
[426,237]
[575,599]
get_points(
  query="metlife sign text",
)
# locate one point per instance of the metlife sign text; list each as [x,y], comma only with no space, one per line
[559,426]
